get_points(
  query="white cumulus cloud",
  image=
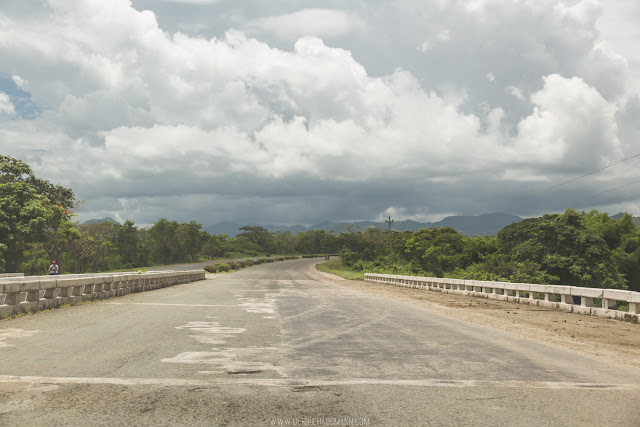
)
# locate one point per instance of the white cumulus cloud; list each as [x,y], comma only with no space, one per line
[229,125]
[310,22]
[6,106]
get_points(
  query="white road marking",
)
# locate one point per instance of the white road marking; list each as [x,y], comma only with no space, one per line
[225,359]
[265,305]
[288,382]
[255,305]
[211,332]
[13,333]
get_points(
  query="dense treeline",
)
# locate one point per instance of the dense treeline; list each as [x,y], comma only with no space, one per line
[574,248]
[37,226]
[105,246]
[587,249]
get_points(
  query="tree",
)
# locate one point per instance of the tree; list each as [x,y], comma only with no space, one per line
[565,248]
[258,235]
[81,245]
[102,233]
[366,246]
[29,206]
[126,241]
[57,240]
[285,242]
[437,250]
[164,241]
[190,240]
[214,245]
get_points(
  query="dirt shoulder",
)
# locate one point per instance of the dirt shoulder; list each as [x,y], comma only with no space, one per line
[613,340]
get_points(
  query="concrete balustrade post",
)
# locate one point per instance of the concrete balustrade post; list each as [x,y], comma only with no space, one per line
[634,307]
[586,302]
[609,304]
[587,295]
[98,285]
[115,285]
[50,288]
[566,299]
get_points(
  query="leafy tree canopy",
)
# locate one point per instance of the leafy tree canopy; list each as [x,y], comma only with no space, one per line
[28,207]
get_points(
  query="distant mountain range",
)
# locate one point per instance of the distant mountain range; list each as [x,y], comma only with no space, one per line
[480,225]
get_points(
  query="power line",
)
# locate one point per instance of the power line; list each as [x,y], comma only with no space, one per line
[613,189]
[591,173]
[570,181]
[581,199]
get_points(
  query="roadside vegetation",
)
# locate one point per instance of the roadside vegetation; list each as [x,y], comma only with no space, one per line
[238,265]
[336,267]
[588,249]
[38,225]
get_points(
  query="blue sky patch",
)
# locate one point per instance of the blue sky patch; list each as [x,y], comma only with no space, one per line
[25,107]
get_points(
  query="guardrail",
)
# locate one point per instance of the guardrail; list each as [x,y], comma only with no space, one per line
[29,294]
[566,298]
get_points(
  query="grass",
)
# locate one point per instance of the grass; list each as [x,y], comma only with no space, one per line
[336,267]
[31,313]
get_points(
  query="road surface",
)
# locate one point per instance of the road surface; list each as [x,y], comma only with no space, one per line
[275,345]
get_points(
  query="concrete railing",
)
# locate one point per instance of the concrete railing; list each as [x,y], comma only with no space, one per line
[29,294]
[566,298]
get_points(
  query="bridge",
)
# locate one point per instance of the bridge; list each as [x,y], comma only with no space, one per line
[283,344]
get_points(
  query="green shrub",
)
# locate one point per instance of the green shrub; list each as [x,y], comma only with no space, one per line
[222,267]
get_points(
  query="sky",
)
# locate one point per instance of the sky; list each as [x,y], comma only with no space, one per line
[301,111]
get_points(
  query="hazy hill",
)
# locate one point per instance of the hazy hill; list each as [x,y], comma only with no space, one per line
[621,214]
[469,225]
[107,219]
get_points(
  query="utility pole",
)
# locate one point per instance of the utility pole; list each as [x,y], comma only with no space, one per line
[389,221]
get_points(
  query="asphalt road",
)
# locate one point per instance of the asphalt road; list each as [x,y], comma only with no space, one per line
[194,265]
[272,344]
